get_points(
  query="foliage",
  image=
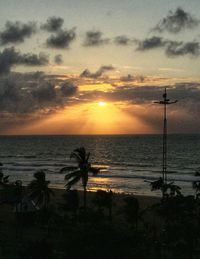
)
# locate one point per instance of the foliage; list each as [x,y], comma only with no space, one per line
[39,189]
[4,179]
[82,172]
[168,189]
[196,186]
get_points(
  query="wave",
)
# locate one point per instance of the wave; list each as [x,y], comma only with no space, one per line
[18,156]
[151,178]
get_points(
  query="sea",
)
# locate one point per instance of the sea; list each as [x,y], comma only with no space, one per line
[129,163]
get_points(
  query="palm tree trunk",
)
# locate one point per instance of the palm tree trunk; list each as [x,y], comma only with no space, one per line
[85,197]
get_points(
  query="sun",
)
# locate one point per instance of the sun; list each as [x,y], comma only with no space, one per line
[101,104]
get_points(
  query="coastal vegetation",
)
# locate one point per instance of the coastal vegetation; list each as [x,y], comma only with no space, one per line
[40,222]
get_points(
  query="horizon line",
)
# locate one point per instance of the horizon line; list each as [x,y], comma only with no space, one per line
[79,135]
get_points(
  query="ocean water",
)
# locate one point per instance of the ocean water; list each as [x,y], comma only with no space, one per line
[129,162]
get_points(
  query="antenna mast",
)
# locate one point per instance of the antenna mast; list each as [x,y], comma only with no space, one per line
[165,102]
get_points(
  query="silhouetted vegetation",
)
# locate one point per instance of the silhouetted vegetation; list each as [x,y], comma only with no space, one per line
[82,172]
[113,226]
[39,190]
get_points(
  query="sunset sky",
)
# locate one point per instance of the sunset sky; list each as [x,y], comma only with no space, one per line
[96,67]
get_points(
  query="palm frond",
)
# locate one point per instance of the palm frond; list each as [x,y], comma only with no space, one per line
[72,174]
[87,157]
[76,156]
[70,183]
[5,179]
[67,169]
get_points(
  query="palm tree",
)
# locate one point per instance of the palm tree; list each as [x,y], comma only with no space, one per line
[4,179]
[82,171]
[39,189]
[168,189]
[196,186]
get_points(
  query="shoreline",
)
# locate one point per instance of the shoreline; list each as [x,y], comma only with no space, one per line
[118,198]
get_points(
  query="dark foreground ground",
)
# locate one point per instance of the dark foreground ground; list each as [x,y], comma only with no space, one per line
[112,226]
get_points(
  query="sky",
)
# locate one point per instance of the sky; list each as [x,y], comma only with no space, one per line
[97,67]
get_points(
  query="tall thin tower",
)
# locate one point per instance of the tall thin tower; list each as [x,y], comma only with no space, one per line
[165,102]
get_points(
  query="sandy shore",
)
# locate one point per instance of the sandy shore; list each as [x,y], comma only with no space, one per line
[7,216]
[118,198]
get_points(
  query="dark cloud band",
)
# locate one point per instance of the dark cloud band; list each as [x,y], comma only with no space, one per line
[9,57]
[171,48]
[28,93]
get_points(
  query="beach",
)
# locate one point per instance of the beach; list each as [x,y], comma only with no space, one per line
[7,210]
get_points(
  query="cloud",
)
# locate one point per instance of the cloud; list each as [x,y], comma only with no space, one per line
[33,92]
[16,32]
[175,49]
[9,57]
[30,59]
[138,101]
[171,48]
[58,59]
[68,89]
[176,21]
[28,96]
[122,40]
[62,39]
[98,73]
[131,78]
[53,24]
[44,93]
[95,38]
[150,43]
[187,93]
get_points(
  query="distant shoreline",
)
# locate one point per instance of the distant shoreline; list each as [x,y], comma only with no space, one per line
[89,135]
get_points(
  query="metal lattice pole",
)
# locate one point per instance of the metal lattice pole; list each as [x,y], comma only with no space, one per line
[165,102]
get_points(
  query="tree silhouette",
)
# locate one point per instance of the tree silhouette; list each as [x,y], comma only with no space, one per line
[82,172]
[39,189]
[167,189]
[4,179]
[196,186]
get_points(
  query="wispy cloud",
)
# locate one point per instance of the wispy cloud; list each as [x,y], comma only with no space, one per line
[150,43]
[131,78]
[94,39]
[171,48]
[122,40]
[98,73]
[177,21]
[175,49]
[53,24]
[58,59]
